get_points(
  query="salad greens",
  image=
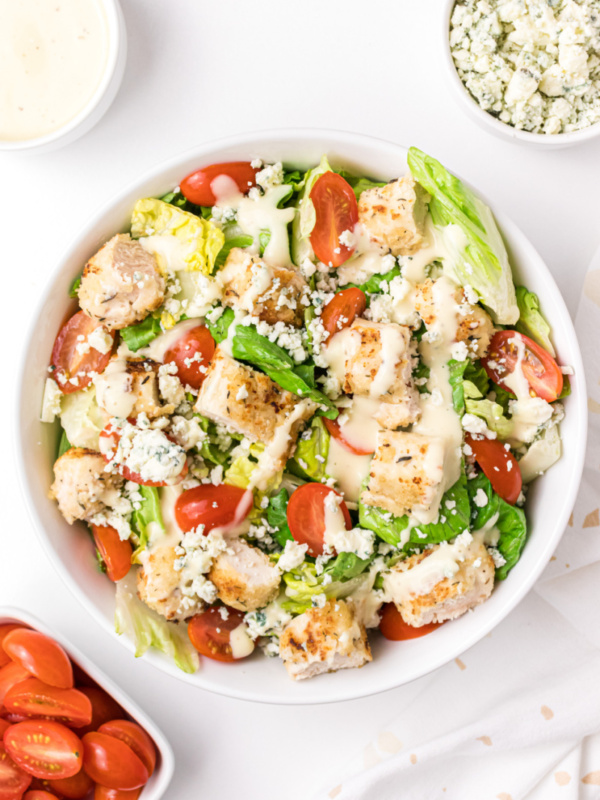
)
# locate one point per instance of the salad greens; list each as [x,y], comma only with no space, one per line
[142,333]
[310,458]
[149,511]
[531,320]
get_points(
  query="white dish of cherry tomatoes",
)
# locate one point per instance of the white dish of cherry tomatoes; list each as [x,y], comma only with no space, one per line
[549,503]
[65,726]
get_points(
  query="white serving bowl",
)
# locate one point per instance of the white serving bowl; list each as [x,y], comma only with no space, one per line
[258,678]
[165,762]
[100,101]
[490,123]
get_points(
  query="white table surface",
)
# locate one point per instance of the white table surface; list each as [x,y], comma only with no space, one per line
[199,70]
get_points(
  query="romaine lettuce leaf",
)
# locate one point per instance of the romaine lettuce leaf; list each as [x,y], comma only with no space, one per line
[303,583]
[220,329]
[488,410]
[541,455]
[531,321]
[483,262]
[277,517]
[236,241]
[305,218]
[149,512]
[310,458]
[142,333]
[63,445]
[461,372]
[82,418]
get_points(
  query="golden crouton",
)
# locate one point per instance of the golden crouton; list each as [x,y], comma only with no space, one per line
[394,215]
[244,576]
[160,586]
[81,484]
[324,640]
[144,384]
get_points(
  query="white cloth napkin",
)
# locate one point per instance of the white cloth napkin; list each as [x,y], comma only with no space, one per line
[518,716]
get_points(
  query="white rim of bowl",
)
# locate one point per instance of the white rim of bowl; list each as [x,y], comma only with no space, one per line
[504,129]
[115,25]
[249,140]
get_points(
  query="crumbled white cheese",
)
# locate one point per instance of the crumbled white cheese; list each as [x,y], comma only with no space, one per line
[292,556]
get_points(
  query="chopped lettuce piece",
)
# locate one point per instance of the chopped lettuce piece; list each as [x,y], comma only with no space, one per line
[141,519]
[220,329]
[236,241]
[531,321]
[303,583]
[240,471]
[359,185]
[482,260]
[310,457]
[459,373]
[82,418]
[214,448]
[142,333]
[199,239]
[305,219]
[63,445]
[277,517]
[74,288]
[488,410]
[543,453]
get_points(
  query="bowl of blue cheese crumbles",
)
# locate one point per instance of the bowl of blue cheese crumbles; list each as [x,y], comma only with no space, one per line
[529,69]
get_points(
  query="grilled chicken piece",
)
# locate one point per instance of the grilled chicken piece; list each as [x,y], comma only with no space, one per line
[121,284]
[394,215]
[244,576]
[441,583]
[81,484]
[160,586]
[128,388]
[324,640]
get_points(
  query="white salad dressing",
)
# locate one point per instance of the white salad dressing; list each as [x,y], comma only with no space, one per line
[527,412]
[158,347]
[358,424]
[52,58]
[348,470]
[241,643]
[114,388]
[393,349]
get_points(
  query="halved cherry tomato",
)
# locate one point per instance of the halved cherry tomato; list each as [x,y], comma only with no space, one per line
[13,780]
[10,676]
[539,368]
[136,737]
[40,794]
[212,506]
[306,515]
[394,628]
[68,362]
[104,793]
[44,748]
[4,631]
[197,187]
[209,632]
[73,788]
[116,552]
[104,708]
[336,211]
[112,763]
[33,698]
[41,656]
[4,725]
[499,465]
[342,310]
[333,426]
[192,354]
[109,440]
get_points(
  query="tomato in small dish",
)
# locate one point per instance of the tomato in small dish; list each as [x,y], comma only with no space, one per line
[104,793]
[104,708]
[13,780]
[336,212]
[499,466]
[198,187]
[539,368]
[394,628]
[112,763]
[39,794]
[116,552]
[11,675]
[192,354]
[210,633]
[4,631]
[222,506]
[74,788]
[44,749]
[341,311]
[307,513]
[33,698]
[73,366]
[41,656]
[134,736]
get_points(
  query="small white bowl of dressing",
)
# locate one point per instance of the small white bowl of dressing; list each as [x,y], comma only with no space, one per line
[62,62]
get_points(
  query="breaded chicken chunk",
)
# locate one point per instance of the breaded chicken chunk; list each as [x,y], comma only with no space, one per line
[441,583]
[394,215]
[244,576]
[474,325]
[273,294]
[324,640]
[406,473]
[121,284]
[131,387]
[81,484]
[161,587]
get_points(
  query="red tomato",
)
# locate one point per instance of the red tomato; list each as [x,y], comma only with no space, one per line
[33,698]
[306,515]
[44,748]
[4,631]
[499,465]
[192,354]
[209,632]
[136,737]
[4,725]
[104,793]
[116,552]
[104,708]
[197,187]
[112,763]
[68,362]
[342,310]
[39,794]
[539,368]
[212,506]
[109,440]
[394,628]
[336,211]
[13,781]
[42,656]
[10,676]
[73,788]
[333,426]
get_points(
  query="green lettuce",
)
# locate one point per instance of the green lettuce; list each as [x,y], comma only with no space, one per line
[303,583]
[305,218]
[63,445]
[541,455]
[277,517]
[211,448]
[310,458]
[74,288]
[142,333]
[220,329]
[240,471]
[483,260]
[200,240]
[488,410]
[359,185]
[461,372]
[242,240]
[531,321]
[149,512]
[82,418]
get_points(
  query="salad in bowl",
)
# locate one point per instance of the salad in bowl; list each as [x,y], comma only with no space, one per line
[298,406]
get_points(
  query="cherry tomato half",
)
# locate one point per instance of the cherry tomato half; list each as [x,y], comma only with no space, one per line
[539,368]
[74,788]
[116,552]
[4,631]
[112,763]
[39,794]
[306,515]
[342,310]
[210,633]
[4,725]
[197,187]
[11,675]
[136,737]
[336,211]
[104,793]
[44,748]
[499,466]
[192,354]
[109,441]
[394,628]
[104,708]
[33,698]
[68,362]
[212,506]
[13,780]
[41,656]
[333,426]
